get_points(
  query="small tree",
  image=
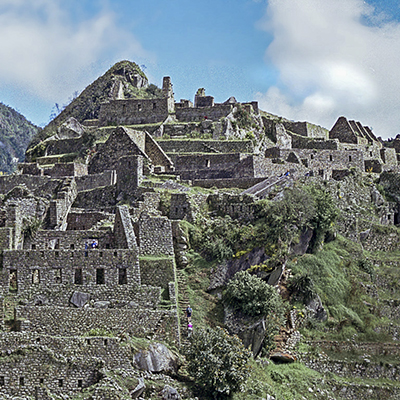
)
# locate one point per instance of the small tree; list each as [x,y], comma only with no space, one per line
[218,362]
[253,296]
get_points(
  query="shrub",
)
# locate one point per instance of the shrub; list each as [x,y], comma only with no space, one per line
[218,362]
[253,296]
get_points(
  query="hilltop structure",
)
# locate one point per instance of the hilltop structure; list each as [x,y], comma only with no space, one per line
[86,246]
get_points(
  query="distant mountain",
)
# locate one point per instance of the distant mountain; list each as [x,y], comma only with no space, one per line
[125,79]
[15,134]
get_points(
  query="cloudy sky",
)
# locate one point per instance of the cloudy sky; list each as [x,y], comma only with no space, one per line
[308,60]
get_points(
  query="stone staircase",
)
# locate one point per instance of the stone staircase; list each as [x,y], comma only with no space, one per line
[183,301]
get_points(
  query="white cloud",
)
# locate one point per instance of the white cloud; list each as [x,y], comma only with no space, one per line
[331,63]
[46,51]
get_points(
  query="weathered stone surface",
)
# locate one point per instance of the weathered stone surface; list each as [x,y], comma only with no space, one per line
[157,358]
[139,389]
[315,305]
[304,241]
[170,393]
[253,337]
[101,304]
[221,275]
[79,299]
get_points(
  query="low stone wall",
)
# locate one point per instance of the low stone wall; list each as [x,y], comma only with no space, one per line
[138,322]
[206,146]
[241,183]
[214,113]
[382,238]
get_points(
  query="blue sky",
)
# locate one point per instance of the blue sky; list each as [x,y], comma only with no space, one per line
[308,60]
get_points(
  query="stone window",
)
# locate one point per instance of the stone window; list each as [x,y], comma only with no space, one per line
[13,281]
[41,381]
[78,278]
[350,158]
[56,253]
[2,383]
[330,157]
[139,106]
[321,172]
[115,253]
[60,383]
[105,342]
[101,254]
[35,276]
[88,342]
[57,275]
[100,276]
[154,106]
[107,245]
[57,244]
[122,276]
[370,153]
[312,156]
[80,383]
[21,381]
[72,246]
[33,247]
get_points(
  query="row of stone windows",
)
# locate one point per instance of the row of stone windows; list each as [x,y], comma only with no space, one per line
[22,382]
[71,246]
[330,157]
[78,277]
[86,253]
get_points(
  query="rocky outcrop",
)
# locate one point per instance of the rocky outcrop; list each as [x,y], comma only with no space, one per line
[157,358]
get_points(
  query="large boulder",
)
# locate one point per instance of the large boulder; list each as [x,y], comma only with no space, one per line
[170,393]
[157,358]
[79,299]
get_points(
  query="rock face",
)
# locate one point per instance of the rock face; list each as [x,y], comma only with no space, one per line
[225,271]
[157,358]
[79,299]
[170,393]
[251,330]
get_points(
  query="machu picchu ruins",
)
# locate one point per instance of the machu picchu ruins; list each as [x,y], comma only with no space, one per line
[91,233]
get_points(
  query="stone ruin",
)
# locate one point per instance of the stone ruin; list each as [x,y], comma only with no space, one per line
[86,249]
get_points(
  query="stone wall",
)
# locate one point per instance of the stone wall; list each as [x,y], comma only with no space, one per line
[101,198]
[300,142]
[306,129]
[37,184]
[133,111]
[157,271]
[138,322]
[155,236]
[381,238]
[206,146]
[60,170]
[84,220]
[105,274]
[93,181]
[213,113]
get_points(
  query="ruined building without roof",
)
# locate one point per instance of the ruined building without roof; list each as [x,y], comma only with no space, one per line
[85,245]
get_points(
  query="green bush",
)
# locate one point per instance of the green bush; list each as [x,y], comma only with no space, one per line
[218,362]
[253,296]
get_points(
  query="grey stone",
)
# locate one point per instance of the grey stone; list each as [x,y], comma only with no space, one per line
[276,275]
[253,337]
[139,389]
[315,305]
[101,304]
[157,358]
[304,241]
[170,393]
[79,299]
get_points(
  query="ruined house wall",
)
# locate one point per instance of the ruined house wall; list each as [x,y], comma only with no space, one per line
[157,272]
[157,154]
[306,129]
[37,184]
[84,220]
[159,324]
[55,272]
[66,169]
[132,111]
[206,146]
[93,181]
[300,142]
[64,146]
[101,198]
[213,113]
[59,207]
[118,145]
[155,236]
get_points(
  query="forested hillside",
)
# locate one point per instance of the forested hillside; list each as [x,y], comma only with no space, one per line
[15,134]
